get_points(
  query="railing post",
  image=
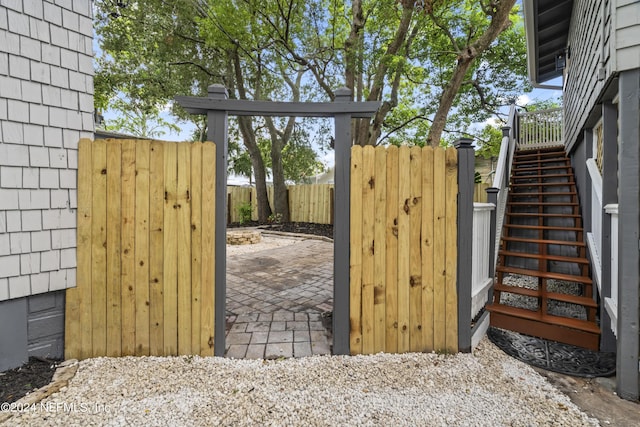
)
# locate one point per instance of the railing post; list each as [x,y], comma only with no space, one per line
[516,121]
[505,134]
[492,197]
[217,132]
[341,227]
[466,166]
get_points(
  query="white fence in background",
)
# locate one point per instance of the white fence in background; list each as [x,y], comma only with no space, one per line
[480,262]
[538,129]
[611,303]
[594,237]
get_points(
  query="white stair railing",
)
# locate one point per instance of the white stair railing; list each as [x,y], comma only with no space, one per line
[539,129]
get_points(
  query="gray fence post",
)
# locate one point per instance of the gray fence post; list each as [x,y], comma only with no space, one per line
[466,167]
[341,227]
[217,132]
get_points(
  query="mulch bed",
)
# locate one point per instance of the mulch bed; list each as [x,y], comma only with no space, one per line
[325,230]
[16,383]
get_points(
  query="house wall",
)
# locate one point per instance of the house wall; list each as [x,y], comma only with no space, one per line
[627,34]
[46,105]
[589,63]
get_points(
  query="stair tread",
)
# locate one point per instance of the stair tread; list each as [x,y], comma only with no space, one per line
[542,193]
[545,160]
[546,215]
[557,296]
[544,203]
[543,184]
[541,168]
[553,175]
[545,274]
[583,325]
[543,241]
[535,152]
[543,227]
[560,258]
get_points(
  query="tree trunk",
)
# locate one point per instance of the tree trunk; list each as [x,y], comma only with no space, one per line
[248,137]
[499,11]
[368,129]
[280,197]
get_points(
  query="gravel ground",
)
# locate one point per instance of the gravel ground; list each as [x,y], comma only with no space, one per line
[486,388]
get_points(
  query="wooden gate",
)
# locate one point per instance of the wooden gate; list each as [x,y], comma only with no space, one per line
[403,256]
[146,253]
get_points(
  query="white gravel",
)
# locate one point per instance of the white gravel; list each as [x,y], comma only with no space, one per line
[486,388]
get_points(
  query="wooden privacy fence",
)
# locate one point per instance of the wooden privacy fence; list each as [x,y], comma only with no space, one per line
[480,192]
[403,256]
[307,202]
[145,257]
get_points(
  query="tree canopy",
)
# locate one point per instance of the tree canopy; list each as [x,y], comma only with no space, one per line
[435,65]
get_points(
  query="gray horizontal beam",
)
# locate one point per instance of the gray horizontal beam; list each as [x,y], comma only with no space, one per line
[242,107]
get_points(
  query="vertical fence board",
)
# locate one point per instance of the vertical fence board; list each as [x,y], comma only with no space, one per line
[156,248]
[379,248]
[451,300]
[368,214]
[196,244]
[142,248]
[170,264]
[78,300]
[114,304]
[207,300]
[84,216]
[439,236]
[415,255]
[99,249]
[127,256]
[183,230]
[427,243]
[404,195]
[355,262]
[391,256]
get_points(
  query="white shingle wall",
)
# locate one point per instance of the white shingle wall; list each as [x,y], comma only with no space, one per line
[46,106]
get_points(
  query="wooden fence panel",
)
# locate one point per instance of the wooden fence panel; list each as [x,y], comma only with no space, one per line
[480,192]
[403,250]
[307,202]
[145,250]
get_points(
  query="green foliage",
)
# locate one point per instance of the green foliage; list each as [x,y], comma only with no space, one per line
[477,178]
[275,218]
[489,140]
[244,211]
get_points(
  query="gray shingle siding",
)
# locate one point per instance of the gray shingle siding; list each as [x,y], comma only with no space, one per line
[46,106]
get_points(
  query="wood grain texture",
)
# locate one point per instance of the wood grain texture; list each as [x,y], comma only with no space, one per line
[379,250]
[127,255]
[391,255]
[141,258]
[156,248]
[355,261]
[207,287]
[170,261]
[183,233]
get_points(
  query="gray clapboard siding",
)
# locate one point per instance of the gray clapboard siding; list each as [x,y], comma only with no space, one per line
[627,37]
[586,57]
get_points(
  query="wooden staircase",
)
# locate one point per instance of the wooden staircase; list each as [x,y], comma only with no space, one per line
[542,241]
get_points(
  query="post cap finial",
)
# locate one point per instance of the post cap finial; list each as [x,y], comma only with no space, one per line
[217,91]
[342,94]
[463,143]
[505,130]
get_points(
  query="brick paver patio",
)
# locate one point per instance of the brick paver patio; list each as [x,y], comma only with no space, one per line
[275,301]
